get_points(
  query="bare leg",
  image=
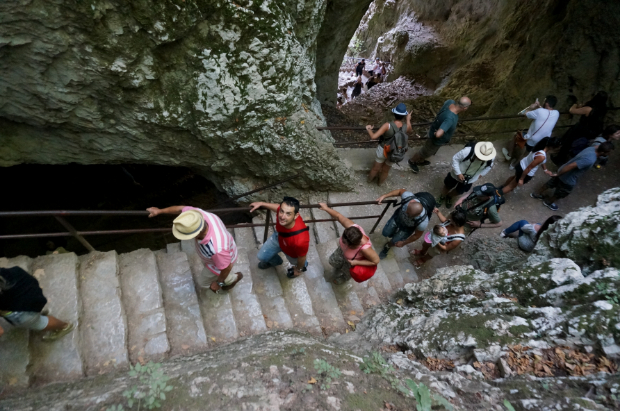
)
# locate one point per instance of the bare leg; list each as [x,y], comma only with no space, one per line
[54,324]
[384,173]
[509,185]
[376,168]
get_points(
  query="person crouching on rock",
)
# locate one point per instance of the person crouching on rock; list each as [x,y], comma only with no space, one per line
[215,246]
[382,165]
[291,236]
[22,302]
[355,250]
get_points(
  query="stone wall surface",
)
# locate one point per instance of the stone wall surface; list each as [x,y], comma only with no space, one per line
[226,88]
[503,54]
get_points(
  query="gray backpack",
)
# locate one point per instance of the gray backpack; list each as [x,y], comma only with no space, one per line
[394,148]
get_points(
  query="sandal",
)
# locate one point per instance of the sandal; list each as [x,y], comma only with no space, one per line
[415,252]
[290,273]
[228,287]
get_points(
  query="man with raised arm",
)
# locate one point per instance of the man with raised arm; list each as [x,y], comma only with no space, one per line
[291,236]
[440,131]
[214,244]
[410,219]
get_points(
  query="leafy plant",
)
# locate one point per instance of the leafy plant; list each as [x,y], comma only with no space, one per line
[611,295]
[153,387]
[328,371]
[300,351]
[508,405]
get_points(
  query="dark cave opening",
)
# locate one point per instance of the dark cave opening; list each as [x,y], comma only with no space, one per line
[33,187]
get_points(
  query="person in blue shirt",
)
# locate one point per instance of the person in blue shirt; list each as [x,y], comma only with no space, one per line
[567,176]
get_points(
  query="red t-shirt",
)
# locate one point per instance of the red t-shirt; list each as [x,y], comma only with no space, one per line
[295,246]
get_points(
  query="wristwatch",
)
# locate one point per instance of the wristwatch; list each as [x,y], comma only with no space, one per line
[221,284]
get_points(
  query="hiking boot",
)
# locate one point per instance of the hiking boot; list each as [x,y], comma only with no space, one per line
[439,201]
[414,167]
[506,155]
[448,202]
[55,335]
[383,254]
[536,196]
[551,206]
[264,265]
[424,163]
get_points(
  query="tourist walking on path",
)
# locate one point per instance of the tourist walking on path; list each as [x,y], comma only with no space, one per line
[436,242]
[22,302]
[291,236]
[544,119]
[359,69]
[589,126]
[357,88]
[528,234]
[354,250]
[410,219]
[526,168]
[483,203]
[611,134]
[468,165]
[440,131]
[387,132]
[376,69]
[214,244]
[565,180]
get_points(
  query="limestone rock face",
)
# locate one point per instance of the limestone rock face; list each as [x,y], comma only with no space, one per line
[502,54]
[225,88]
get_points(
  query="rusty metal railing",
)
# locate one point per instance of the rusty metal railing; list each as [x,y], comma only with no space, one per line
[79,235]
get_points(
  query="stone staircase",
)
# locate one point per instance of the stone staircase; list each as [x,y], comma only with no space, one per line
[144,305]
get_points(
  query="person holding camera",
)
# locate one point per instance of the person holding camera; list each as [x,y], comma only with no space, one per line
[473,161]
[483,203]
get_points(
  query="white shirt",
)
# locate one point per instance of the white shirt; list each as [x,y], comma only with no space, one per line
[376,67]
[526,161]
[475,168]
[542,126]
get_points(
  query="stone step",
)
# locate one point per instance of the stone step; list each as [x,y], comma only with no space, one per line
[325,231]
[245,238]
[392,271]
[103,330]
[246,307]
[408,272]
[322,295]
[14,352]
[346,295]
[298,301]
[186,332]
[270,295]
[216,309]
[188,247]
[380,283]
[173,248]
[60,360]
[143,303]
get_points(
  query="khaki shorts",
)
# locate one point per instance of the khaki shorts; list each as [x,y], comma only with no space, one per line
[428,149]
[206,277]
[380,158]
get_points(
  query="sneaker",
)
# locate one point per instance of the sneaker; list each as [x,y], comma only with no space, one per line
[439,201]
[536,196]
[448,202]
[55,335]
[506,155]
[414,167]
[383,254]
[502,234]
[424,163]
[263,265]
[511,167]
[551,206]
[45,312]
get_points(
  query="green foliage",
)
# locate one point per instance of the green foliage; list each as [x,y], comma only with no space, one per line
[300,351]
[376,364]
[355,47]
[152,390]
[328,371]
[508,405]
[611,294]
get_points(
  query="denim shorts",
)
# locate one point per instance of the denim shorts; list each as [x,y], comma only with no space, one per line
[395,232]
[27,319]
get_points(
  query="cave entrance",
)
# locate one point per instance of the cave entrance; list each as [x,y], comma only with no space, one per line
[30,187]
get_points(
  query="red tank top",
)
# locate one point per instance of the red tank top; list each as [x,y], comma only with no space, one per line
[296,245]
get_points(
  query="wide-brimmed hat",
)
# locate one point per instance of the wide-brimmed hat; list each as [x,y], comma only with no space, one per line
[485,150]
[188,225]
[400,109]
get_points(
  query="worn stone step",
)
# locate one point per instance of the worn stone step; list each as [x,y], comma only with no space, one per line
[270,295]
[322,295]
[325,231]
[298,301]
[60,360]
[143,302]
[245,238]
[359,211]
[14,352]
[380,283]
[346,295]
[259,232]
[408,272]
[173,248]
[392,271]
[186,332]
[245,304]
[216,309]
[104,324]
[188,246]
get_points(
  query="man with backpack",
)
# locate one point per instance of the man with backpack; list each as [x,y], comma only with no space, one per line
[410,219]
[440,131]
[483,203]
[473,161]
[393,143]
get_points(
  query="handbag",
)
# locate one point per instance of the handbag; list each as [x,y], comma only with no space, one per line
[361,273]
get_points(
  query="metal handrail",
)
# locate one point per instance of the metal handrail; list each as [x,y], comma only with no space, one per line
[79,235]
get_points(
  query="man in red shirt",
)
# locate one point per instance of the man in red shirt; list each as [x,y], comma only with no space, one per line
[292,237]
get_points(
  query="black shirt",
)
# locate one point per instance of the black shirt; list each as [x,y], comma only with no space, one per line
[24,292]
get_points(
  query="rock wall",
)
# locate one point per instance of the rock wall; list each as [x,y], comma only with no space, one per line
[226,88]
[502,54]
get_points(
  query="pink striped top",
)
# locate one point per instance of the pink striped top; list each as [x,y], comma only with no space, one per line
[218,249]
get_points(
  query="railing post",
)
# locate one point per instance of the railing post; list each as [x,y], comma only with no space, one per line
[267,221]
[380,217]
[74,233]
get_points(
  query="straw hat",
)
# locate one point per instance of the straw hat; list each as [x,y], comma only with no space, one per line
[188,225]
[484,150]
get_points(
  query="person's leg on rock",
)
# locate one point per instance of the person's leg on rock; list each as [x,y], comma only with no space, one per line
[515,229]
[36,322]
[509,185]
[268,253]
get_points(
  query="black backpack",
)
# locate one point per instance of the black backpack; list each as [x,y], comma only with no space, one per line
[426,199]
[472,204]
[394,148]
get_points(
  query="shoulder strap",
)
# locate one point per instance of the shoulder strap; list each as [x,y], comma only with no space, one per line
[293,233]
[548,115]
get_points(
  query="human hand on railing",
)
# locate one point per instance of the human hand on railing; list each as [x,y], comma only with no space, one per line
[435,210]
[255,206]
[369,128]
[323,206]
[380,199]
[153,211]
[400,244]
